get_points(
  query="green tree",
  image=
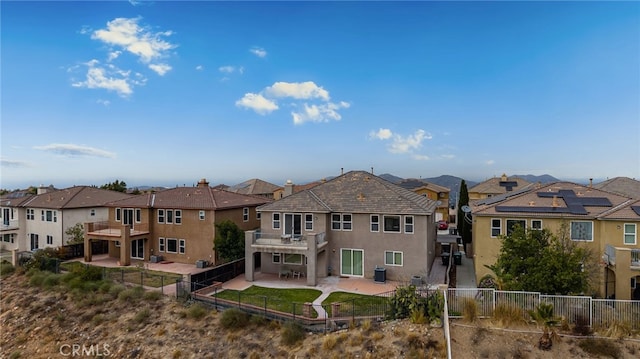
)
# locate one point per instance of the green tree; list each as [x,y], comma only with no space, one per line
[75,233]
[229,241]
[117,185]
[539,261]
[464,228]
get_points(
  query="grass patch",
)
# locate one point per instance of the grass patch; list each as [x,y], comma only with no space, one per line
[507,315]
[133,275]
[197,311]
[356,304]
[142,316]
[283,300]
[600,347]
[292,333]
[234,319]
[131,294]
[470,310]
[6,268]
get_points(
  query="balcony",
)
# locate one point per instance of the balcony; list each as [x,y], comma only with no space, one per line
[12,225]
[624,256]
[106,229]
[265,241]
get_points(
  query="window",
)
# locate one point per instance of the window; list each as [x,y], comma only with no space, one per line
[138,215]
[31,214]
[178,218]
[536,224]
[629,233]
[375,223]
[34,241]
[172,245]
[201,215]
[496,227]
[581,231]
[49,239]
[181,246]
[408,224]
[346,222]
[117,244]
[161,216]
[275,257]
[290,258]
[42,215]
[161,245]
[308,222]
[392,258]
[92,213]
[9,237]
[391,223]
[245,214]
[49,216]
[118,214]
[169,213]
[513,223]
[275,220]
[258,215]
[335,222]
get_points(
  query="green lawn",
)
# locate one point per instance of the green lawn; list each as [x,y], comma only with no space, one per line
[133,275]
[356,304]
[280,299]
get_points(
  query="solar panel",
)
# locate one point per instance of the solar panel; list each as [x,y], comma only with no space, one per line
[636,209]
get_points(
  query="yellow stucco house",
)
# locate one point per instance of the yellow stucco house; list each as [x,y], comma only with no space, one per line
[497,186]
[603,221]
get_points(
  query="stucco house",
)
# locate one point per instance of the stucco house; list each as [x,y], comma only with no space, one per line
[602,221]
[176,224]
[41,220]
[354,225]
[432,191]
[498,186]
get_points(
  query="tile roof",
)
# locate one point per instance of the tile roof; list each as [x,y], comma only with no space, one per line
[414,183]
[206,198]
[74,197]
[557,199]
[355,192]
[629,211]
[623,186]
[494,185]
[253,186]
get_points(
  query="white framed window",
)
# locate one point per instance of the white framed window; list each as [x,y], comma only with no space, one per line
[50,216]
[408,224]
[335,222]
[117,244]
[536,224]
[172,245]
[35,242]
[182,246]
[346,222]
[391,224]
[31,214]
[161,216]
[513,223]
[92,213]
[581,231]
[245,214]
[630,233]
[201,215]
[276,257]
[49,239]
[169,219]
[275,220]
[161,247]
[393,258]
[292,258]
[178,218]
[308,222]
[375,223]
[138,215]
[341,221]
[42,215]
[118,214]
[496,227]
[258,215]
[9,237]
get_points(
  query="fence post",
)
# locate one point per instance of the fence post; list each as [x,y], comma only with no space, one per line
[353,310]
[122,275]
[265,305]
[141,279]
[239,299]
[162,284]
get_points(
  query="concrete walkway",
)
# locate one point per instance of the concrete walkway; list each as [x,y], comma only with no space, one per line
[465,273]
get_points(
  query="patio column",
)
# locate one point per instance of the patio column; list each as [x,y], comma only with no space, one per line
[249,265]
[125,246]
[312,260]
[87,242]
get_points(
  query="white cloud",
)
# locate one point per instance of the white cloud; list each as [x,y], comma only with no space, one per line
[113,55]
[258,103]
[160,69]
[68,149]
[12,163]
[109,78]
[258,51]
[104,102]
[226,69]
[490,162]
[199,67]
[318,113]
[381,134]
[448,157]
[420,157]
[297,90]
[407,144]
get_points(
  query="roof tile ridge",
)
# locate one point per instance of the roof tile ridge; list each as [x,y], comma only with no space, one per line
[321,202]
[609,211]
[81,188]
[213,198]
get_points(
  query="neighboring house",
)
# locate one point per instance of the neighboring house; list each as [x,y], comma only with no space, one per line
[356,225]
[256,187]
[291,188]
[176,225]
[602,221]
[12,217]
[497,186]
[432,191]
[623,186]
[41,221]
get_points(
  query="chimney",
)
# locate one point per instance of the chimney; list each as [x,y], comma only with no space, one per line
[341,171]
[203,183]
[590,182]
[42,189]
[504,177]
[288,188]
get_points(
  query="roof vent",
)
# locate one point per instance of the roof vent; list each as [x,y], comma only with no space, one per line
[532,203]
[554,203]
[360,197]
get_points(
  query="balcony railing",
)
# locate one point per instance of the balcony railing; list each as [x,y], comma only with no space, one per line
[300,241]
[611,253]
[115,230]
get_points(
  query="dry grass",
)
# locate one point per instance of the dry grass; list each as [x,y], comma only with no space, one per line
[508,315]
[470,310]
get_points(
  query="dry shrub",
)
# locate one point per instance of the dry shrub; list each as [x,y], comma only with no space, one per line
[377,336]
[329,342]
[356,340]
[601,347]
[470,310]
[234,318]
[366,325]
[292,333]
[507,315]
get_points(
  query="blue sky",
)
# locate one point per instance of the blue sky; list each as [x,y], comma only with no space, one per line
[166,93]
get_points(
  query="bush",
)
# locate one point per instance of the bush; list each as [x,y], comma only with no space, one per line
[88,273]
[600,347]
[142,316]
[234,319]
[131,294]
[46,259]
[6,268]
[470,310]
[152,295]
[507,315]
[196,311]
[292,333]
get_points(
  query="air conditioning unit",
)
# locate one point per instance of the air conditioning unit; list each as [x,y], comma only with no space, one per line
[155,259]
[201,263]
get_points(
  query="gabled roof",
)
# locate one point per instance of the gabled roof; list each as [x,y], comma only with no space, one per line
[253,186]
[414,183]
[499,185]
[559,199]
[74,197]
[205,198]
[623,186]
[13,200]
[355,192]
[630,211]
